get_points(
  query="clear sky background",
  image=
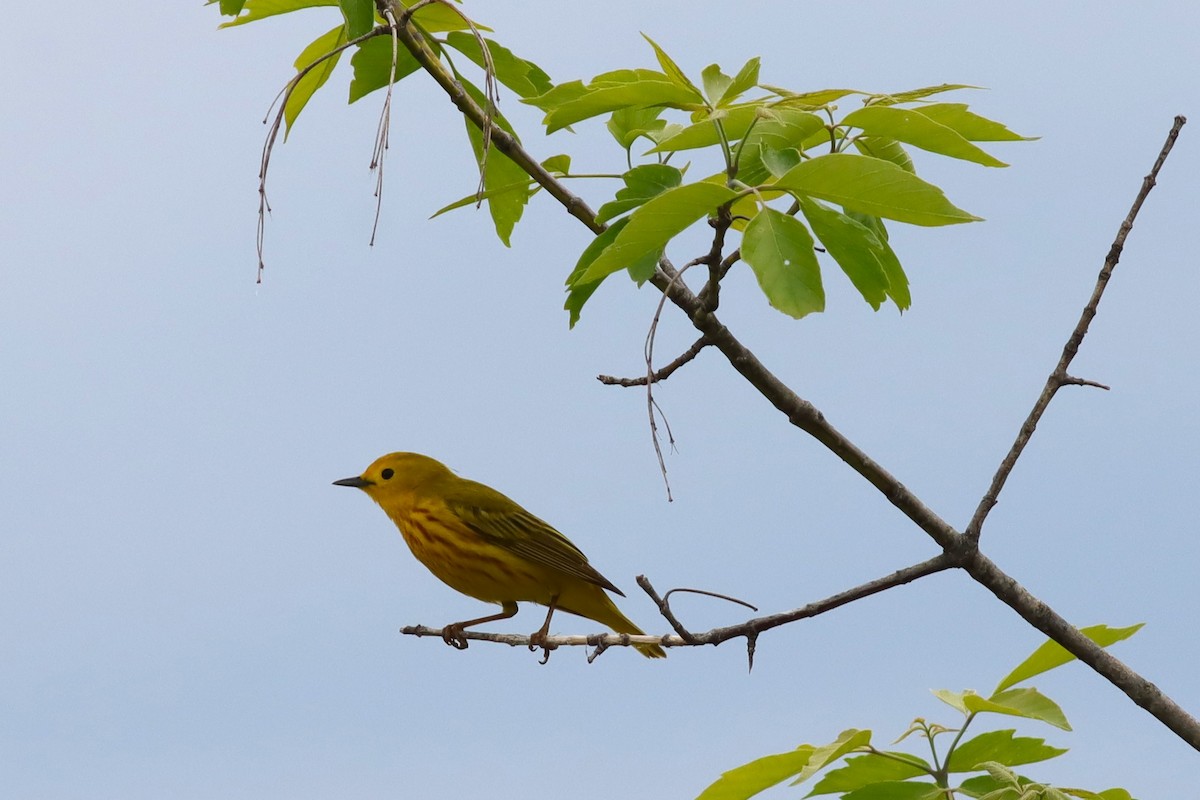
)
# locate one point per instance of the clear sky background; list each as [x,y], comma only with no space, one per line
[188,609]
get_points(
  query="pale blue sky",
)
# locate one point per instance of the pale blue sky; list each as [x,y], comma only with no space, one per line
[189,610]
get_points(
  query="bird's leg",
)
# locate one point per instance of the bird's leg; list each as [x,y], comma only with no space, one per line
[453,634]
[538,637]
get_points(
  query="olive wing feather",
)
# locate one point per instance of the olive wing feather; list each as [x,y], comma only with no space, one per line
[502,522]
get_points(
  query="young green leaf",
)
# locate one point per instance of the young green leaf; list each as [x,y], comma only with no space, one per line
[315,79]
[779,250]
[231,8]
[860,771]
[656,223]
[359,16]
[735,121]
[523,77]
[580,292]
[897,790]
[852,246]
[372,61]
[502,177]
[261,9]
[917,94]
[1051,654]
[913,127]
[639,90]
[559,164]
[784,129]
[887,149]
[847,741]
[1001,747]
[627,124]
[871,186]
[971,126]
[673,71]
[526,187]
[746,79]
[715,83]
[641,184]
[810,100]
[1028,703]
[897,281]
[762,773]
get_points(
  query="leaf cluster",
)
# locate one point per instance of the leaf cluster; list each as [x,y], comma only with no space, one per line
[979,767]
[795,179]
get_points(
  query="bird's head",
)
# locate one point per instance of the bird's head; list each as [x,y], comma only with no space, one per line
[396,474]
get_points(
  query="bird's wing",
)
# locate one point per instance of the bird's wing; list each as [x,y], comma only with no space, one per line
[502,522]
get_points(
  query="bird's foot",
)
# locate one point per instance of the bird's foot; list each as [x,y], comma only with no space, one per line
[454,636]
[537,639]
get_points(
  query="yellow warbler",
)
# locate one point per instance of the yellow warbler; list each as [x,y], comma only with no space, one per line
[486,546]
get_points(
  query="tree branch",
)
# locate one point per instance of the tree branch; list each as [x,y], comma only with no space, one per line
[957,548]
[1059,377]
[658,375]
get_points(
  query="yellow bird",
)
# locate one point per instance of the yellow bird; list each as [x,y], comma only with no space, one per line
[488,547]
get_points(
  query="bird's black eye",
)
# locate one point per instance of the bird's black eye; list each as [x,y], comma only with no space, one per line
[387,474]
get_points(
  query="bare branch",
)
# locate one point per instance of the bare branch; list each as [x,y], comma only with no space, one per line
[282,98]
[1059,377]
[659,375]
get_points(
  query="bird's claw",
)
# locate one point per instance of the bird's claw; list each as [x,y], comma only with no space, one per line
[454,636]
[538,640]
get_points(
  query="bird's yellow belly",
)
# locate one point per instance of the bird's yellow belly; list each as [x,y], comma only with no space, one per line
[466,562]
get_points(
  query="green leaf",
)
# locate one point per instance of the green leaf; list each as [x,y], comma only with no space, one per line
[673,71]
[785,128]
[641,184]
[971,126]
[896,790]
[887,149]
[261,9]
[560,164]
[359,16]
[526,186]
[373,60]
[523,77]
[746,79]
[897,281]
[847,741]
[871,186]
[917,94]
[1028,703]
[860,771]
[231,8]
[715,83]
[500,173]
[440,17]
[853,246]
[638,89]
[735,121]
[780,251]
[314,79]
[913,127]
[1001,747]
[656,223]
[627,124]
[1051,654]
[810,100]
[762,773]
[578,292]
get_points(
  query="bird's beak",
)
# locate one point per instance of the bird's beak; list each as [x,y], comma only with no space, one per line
[357,482]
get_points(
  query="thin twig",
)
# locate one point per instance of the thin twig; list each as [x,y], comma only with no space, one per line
[385,124]
[282,98]
[659,375]
[716,636]
[1059,377]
